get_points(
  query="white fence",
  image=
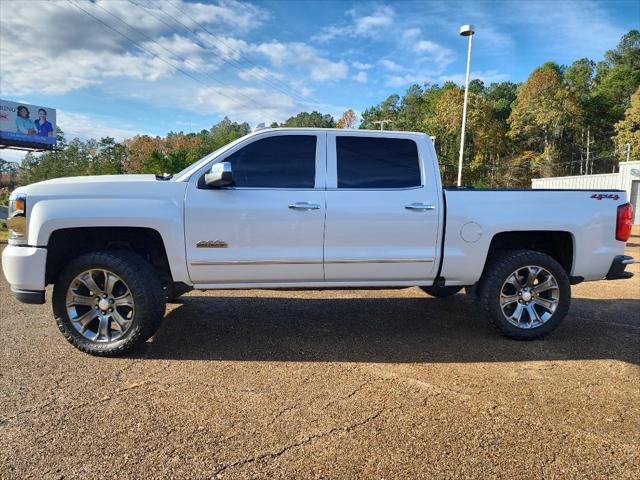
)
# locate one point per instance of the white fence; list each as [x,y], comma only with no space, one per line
[628,178]
[601,181]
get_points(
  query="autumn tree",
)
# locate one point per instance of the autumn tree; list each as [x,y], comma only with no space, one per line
[347,120]
[544,119]
[138,151]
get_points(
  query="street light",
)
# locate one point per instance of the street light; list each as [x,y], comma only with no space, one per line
[465,31]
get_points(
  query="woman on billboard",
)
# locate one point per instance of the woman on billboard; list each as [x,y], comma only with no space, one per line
[43,127]
[24,124]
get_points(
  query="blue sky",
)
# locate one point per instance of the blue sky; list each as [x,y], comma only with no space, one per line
[261,61]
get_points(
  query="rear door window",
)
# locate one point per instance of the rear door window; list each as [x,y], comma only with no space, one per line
[369,162]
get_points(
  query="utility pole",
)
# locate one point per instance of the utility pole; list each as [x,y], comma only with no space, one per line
[586,170]
[381,123]
[465,31]
[628,147]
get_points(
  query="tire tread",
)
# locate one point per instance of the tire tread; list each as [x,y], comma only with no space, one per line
[142,278]
[494,276]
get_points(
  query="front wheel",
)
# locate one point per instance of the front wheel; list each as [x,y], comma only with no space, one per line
[524,294]
[107,303]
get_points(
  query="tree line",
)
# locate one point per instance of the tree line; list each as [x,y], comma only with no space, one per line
[563,120]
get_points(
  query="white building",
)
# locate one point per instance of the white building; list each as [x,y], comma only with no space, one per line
[628,178]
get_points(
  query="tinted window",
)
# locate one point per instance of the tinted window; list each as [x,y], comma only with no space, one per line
[366,162]
[283,161]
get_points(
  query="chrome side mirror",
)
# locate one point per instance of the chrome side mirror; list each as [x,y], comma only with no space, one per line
[220,176]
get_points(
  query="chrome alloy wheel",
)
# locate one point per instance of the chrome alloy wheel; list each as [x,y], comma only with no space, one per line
[529,297]
[100,305]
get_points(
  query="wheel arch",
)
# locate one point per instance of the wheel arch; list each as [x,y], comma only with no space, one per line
[560,245]
[68,243]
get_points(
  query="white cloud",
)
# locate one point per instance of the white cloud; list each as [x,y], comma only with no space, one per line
[408,79]
[241,16]
[12,155]
[487,76]
[579,28]
[85,127]
[391,65]
[56,47]
[258,73]
[361,77]
[254,105]
[306,57]
[411,33]
[381,17]
[360,25]
[306,91]
[441,56]
[362,66]
[225,47]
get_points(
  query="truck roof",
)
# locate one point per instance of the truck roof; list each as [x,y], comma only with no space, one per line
[343,130]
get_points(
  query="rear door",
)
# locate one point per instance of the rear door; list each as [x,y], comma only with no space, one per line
[382,208]
[269,226]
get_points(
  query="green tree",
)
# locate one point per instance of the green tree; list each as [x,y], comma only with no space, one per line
[618,75]
[544,119]
[109,157]
[313,119]
[628,130]
[386,110]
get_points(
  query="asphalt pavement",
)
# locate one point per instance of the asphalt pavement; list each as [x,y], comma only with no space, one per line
[387,384]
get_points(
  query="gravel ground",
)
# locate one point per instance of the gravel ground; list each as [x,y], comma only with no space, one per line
[336,384]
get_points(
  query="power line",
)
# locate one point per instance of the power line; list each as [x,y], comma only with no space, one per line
[239,65]
[273,83]
[181,58]
[184,72]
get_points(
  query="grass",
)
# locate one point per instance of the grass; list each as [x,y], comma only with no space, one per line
[3,232]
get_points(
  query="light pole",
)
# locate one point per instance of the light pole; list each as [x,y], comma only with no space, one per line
[465,31]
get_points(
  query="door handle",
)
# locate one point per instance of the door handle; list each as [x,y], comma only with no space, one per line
[304,206]
[420,206]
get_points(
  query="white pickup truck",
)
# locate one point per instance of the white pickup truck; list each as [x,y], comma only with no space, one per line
[308,208]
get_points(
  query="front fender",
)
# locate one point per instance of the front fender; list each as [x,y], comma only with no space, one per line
[163,214]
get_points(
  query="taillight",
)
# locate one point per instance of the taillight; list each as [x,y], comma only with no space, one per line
[624,222]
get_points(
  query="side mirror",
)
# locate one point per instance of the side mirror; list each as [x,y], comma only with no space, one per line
[220,176]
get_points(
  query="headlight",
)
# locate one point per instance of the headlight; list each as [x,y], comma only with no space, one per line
[17,216]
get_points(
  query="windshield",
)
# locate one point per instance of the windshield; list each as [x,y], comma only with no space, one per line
[184,175]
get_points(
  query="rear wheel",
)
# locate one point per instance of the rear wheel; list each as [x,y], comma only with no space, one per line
[107,303]
[524,294]
[441,292]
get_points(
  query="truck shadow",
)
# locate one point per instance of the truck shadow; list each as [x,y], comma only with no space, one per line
[414,329]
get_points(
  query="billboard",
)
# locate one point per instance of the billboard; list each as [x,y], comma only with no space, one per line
[27,126]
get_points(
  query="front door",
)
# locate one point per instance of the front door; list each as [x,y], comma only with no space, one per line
[268,227]
[382,208]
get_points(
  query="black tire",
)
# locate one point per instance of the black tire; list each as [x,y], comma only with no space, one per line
[498,270]
[441,292]
[144,285]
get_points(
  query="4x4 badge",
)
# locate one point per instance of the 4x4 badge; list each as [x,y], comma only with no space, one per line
[600,196]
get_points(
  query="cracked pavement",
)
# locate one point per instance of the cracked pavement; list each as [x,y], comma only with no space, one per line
[328,384]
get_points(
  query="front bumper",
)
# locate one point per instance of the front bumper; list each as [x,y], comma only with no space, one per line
[617,269]
[24,268]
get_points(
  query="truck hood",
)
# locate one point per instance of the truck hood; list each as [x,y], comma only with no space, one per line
[95,185]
